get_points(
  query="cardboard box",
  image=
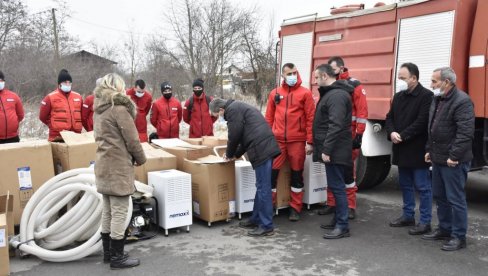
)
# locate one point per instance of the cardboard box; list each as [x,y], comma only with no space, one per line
[77,151]
[213,187]
[25,167]
[283,187]
[6,231]
[182,150]
[157,160]
[193,141]
[213,141]
[4,252]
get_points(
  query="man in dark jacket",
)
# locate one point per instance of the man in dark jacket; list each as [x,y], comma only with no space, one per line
[449,148]
[249,132]
[332,141]
[406,125]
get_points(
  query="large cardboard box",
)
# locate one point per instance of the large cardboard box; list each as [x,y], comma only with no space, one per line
[182,150]
[77,151]
[6,230]
[25,167]
[213,187]
[283,187]
[156,160]
[213,141]
[193,141]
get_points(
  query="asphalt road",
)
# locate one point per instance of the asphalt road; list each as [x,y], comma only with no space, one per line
[374,248]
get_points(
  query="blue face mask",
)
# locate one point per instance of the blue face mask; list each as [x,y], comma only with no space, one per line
[291,80]
[2,85]
[65,88]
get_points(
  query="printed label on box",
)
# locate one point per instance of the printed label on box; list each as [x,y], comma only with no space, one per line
[25,179]
[232,206]
[196,207]
[3,238]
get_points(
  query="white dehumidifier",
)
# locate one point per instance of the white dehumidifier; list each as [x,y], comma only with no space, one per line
[315,182]
[245,187]
[172,189]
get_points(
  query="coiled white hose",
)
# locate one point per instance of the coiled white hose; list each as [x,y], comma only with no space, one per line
[41,232]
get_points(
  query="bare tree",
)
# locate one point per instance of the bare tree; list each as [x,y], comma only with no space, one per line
[12,14]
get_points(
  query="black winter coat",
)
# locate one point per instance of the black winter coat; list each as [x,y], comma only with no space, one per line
[409,116]
[249,132]
[451,128]
[332,124]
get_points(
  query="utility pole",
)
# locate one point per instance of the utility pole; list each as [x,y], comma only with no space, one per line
[56,42]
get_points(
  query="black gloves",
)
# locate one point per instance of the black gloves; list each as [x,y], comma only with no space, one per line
[357,141]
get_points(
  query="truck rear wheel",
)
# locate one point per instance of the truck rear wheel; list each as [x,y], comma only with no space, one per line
[371,171]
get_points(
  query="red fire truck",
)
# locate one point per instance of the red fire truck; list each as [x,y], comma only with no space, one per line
[375,42]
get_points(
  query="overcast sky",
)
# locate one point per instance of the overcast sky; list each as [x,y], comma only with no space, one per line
[105,21]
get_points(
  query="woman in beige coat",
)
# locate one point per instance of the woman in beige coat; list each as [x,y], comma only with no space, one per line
[118,151]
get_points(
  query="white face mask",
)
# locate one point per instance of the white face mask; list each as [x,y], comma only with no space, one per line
[437,92]
[65,88]
[139,94]
[291,80]
[401,85]
[2,85]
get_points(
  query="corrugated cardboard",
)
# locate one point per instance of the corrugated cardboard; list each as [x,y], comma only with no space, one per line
[212,141]
[283,187]
[77,151]
[193,141]
[182,150]
[213,187]
[25,167]
[4,255]
[156,160]
[7,208]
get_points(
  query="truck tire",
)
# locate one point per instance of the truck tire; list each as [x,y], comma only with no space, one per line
[371,171]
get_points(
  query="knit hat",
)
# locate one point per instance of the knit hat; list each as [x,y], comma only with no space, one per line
[64,76]
[166,85]
[198,82]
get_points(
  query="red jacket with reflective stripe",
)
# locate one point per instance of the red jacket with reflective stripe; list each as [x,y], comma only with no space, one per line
[359,105]
[201,123]
[87,113]
[292,118]
[143,106]
[61,111]
[11,113]
[166,117]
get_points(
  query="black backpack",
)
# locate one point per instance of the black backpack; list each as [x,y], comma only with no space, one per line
[190,105]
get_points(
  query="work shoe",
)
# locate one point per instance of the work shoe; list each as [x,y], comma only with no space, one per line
[402,222]
[118,259]
[454,244]
[437,235]
[329,225]
[420,229]
[337,233]
[248,223]
[261,232]
[294,215]
[106,247]
[327,210]
[352,213]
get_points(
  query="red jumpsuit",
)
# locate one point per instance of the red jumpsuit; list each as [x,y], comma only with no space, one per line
[291,121]
[166,116]
[143,106]
[87,113]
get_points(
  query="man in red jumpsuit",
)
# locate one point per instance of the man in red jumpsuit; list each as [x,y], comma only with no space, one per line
[143,100]
[11,113]
[358,125]
[61,109]
[196,112]
[87,110]
[166,113]
[290,113]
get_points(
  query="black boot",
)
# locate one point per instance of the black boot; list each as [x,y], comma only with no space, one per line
[118,259]
[106,247]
